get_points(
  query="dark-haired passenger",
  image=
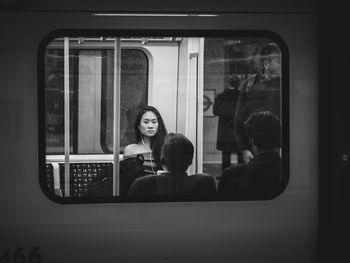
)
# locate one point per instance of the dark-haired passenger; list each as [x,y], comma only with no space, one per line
[262,177]
[176,157]
[149,137]
[140,158]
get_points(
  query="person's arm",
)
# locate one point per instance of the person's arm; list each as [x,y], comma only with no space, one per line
[240,117]
[239,131]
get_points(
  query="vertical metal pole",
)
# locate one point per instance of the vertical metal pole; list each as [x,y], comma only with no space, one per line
[197,102]
[194,97]
[116,118]
[66,117]
[200,86]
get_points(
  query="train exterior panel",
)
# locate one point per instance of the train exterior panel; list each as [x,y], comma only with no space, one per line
[34,227]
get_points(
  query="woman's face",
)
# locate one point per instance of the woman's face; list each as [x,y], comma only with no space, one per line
[149,124]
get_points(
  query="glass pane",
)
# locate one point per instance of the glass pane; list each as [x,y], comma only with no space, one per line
[91,75]
[237,85]
[54,99]
[200,117]
[134,88]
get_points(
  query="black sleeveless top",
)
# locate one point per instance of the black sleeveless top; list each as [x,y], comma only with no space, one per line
[149,163]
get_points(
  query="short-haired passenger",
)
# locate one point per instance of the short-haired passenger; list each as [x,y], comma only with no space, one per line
[176,157]
[262,177]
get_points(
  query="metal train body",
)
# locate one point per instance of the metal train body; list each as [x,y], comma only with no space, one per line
[33,227]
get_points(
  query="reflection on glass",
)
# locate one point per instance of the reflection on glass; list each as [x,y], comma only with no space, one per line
[91,79]
[54,100]
[234,72]
[134,87]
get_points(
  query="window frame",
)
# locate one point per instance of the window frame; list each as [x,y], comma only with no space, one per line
[285,136]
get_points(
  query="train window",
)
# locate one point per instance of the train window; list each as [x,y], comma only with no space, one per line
[181,117]
[134,89]
[92,67]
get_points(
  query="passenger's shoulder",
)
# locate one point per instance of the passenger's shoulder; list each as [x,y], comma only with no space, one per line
[234,170]
[143,186]
[248,83]
[147,178]
[202,176]
[146,181]
[131,149]
[205,184]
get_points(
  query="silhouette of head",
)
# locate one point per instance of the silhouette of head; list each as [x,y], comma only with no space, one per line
[264,130]
[177,153]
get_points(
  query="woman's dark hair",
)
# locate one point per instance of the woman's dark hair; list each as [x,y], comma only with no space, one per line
[158,139]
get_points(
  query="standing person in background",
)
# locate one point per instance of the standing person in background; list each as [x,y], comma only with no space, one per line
[225,107]
[260,92]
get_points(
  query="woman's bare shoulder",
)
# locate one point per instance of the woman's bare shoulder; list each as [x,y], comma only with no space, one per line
[131,149]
